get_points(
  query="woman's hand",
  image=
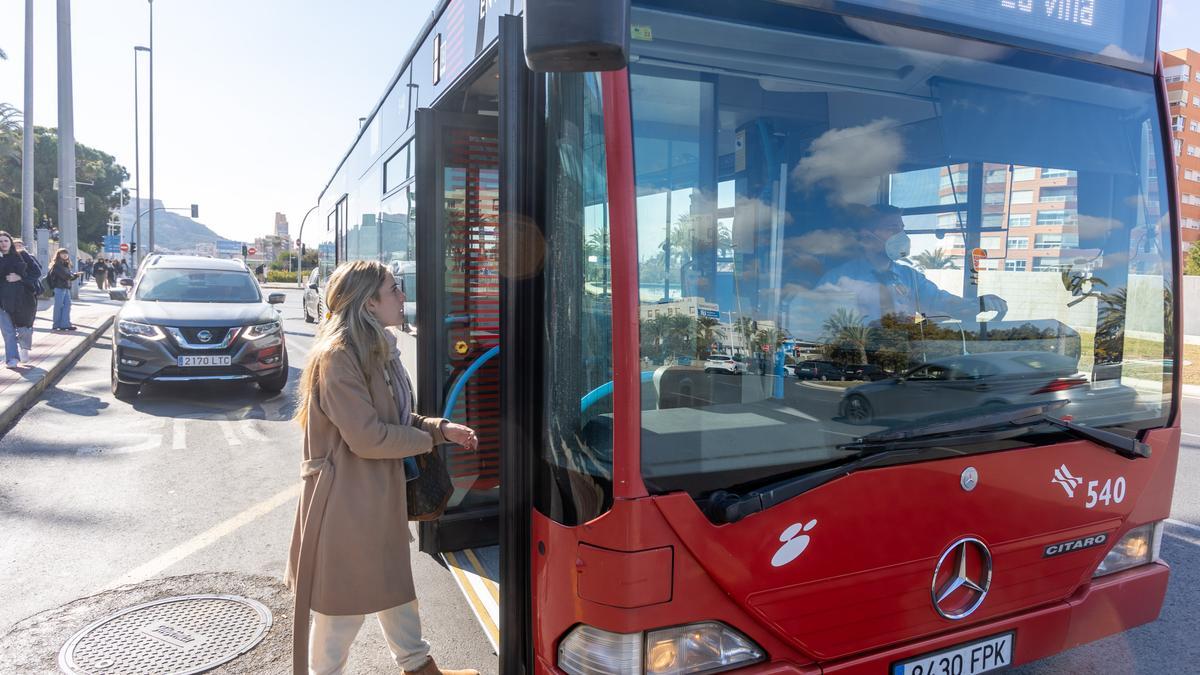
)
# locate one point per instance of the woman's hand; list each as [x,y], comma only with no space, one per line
[460,435]
[12,277]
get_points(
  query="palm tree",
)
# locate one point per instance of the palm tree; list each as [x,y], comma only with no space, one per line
[706,334]
[937,259]
[848,330]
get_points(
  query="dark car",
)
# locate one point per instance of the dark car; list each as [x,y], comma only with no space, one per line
[975,381]
[866,372]
[312,297]
[818,370]
[190,319]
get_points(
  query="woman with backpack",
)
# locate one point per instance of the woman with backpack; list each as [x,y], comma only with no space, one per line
[27,311]
[60,279]
[12,296]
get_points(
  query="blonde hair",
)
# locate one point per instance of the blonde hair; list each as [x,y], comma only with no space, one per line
[349,326]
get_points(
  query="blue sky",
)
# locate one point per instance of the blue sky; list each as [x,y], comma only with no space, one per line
[255,101]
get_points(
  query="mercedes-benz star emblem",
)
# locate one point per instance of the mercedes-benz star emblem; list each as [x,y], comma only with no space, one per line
[962,578]
[204,335]
[969,478]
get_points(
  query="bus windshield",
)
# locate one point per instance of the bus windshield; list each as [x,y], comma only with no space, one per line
[855,227]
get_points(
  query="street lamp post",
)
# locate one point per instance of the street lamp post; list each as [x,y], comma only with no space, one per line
[137,160]
[151,50]
[300,239]
[27,146]
[67,206]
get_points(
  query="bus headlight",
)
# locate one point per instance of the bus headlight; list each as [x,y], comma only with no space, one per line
[1139,546]
[706,647]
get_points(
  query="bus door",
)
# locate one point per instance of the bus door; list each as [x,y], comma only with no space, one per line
[458,310]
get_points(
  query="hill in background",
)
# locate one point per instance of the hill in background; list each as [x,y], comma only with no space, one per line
[172,231]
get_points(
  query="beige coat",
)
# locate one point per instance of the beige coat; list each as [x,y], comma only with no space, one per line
[350,544]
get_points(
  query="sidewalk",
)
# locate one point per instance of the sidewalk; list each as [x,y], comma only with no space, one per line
[53,353]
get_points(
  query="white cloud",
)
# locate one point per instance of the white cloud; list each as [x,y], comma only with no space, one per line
[848,162]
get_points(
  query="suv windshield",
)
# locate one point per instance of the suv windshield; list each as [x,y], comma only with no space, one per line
[190,285]
[947,234]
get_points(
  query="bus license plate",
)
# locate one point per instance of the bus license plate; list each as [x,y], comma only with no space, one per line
[204,360]
[981,656]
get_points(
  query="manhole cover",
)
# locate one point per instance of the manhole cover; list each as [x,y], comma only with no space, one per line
[176,636]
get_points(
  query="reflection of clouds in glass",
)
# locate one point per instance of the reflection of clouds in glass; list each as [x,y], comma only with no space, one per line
[848,162]
[1116,52]
[926,44]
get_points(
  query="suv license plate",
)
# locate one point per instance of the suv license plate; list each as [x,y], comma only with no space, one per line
[205,360]
[981,656]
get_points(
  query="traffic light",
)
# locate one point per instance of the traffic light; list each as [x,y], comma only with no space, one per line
[303,250]
[133,247]
[195,210]
[244,251]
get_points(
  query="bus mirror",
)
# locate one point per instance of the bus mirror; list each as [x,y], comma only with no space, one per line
[574,36]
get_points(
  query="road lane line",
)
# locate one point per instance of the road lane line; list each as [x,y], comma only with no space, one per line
[1185,433]
[227,429]
[463,579]
[205,538]
[179,435]
[250,431]
[1186,526]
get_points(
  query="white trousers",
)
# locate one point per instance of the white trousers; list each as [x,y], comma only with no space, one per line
[331,636]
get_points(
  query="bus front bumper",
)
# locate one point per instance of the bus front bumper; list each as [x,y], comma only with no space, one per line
[1106,606]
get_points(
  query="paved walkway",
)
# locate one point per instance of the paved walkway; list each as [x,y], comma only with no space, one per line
[53,353]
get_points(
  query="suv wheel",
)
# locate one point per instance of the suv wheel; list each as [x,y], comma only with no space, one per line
[308,318]
[275,383]
[123,391]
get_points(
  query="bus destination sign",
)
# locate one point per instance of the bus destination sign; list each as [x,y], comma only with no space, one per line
[1102,27]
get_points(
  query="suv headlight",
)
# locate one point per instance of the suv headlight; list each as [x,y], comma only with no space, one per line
[1139,546]
[705,647]
[262,330]
[133,328]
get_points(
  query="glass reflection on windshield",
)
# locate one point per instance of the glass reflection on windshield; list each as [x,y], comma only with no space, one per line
[828,246]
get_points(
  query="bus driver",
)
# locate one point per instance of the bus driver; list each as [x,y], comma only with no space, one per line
[879,284]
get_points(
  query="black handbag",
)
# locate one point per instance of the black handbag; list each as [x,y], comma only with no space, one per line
[427,481]
[430,490]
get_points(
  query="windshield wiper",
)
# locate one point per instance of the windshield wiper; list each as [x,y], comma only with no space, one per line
[962,430]
[918,441]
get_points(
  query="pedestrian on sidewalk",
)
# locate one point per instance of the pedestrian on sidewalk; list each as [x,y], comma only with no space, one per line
[100,271]
[111,269]
[349,554]
[85,268]
[60,280]
[12,290]
[27,311]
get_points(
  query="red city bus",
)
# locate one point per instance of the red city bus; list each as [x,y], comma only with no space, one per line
[962,209]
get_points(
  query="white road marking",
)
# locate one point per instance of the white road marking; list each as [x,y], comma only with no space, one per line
[1185,433]
[205,538]
[227,429]
[251,432]
[179,434]
[1186,526]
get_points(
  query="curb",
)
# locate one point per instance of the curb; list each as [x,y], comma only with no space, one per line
[26,400]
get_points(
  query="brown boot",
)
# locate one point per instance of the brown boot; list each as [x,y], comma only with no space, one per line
[430,668]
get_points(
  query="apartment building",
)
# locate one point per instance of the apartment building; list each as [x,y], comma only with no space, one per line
[1182,70]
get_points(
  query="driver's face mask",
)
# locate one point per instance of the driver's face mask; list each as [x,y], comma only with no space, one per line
[897,247]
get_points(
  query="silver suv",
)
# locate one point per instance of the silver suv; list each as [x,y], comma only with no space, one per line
[192,319]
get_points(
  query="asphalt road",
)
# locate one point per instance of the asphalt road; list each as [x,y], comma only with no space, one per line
[188,481]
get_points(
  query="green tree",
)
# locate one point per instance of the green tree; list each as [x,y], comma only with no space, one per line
[706,334]
[1192,261]
[91,166]
[937,259]
[847,336]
